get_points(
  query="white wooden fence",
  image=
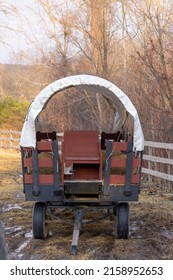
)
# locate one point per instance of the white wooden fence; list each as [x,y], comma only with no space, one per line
[160,167]
[154,166]
[10,139]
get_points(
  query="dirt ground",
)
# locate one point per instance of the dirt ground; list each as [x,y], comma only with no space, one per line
[151,225]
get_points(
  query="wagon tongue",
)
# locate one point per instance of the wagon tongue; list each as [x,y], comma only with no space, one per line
[76,230]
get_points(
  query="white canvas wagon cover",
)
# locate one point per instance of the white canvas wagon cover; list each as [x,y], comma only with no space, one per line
[126,116]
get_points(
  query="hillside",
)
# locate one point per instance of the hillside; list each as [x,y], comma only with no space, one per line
[19,84]
[22,80]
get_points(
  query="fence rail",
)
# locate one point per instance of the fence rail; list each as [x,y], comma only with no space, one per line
[157,166]
[10,139]
[168,146]
[154,164]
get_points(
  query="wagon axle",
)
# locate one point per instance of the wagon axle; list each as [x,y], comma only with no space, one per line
[41,211]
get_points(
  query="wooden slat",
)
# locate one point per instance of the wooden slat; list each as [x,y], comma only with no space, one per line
[120,179]
[44,146]
[9,139]
[121,162]
[42,162]
[158,159]
[160,145]
[158,174]
[45,162]
[43,179]
[119,146]
[10,131]
[45,135]
[10,147]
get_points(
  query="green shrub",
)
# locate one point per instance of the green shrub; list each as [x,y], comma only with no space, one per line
[12,112]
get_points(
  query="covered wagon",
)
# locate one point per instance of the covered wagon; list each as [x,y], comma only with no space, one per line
[96,169]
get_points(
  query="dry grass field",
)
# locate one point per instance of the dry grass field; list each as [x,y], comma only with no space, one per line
[151,225]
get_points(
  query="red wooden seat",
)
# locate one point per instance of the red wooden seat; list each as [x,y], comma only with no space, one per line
[81,155]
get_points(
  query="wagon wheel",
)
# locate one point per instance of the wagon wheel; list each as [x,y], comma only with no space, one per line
[39,228]
[122,225]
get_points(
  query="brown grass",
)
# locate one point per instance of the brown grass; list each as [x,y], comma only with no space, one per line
[151,220]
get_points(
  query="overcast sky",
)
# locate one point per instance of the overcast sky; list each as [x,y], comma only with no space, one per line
[25,24]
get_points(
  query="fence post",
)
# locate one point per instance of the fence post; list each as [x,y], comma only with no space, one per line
[3,245]
[8,137]
[149,163]
[1,133]
[169,167]
[11,136]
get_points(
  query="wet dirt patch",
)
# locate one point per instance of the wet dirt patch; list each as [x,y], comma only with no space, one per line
[10,207]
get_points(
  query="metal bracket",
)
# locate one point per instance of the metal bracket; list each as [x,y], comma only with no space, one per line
[107,167]
[127,189]
[57,190]
[36,188]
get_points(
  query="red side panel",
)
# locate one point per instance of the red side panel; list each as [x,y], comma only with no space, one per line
[44,146]
[43,179]
[42,162]
[120,179]
[121,162]
[119,146]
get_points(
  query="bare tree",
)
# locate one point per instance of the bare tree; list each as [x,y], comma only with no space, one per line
[82,29]
[95,38]
[6,11]
[152,52]
[56,19]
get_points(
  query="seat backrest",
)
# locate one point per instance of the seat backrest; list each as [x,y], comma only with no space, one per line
[81,143]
